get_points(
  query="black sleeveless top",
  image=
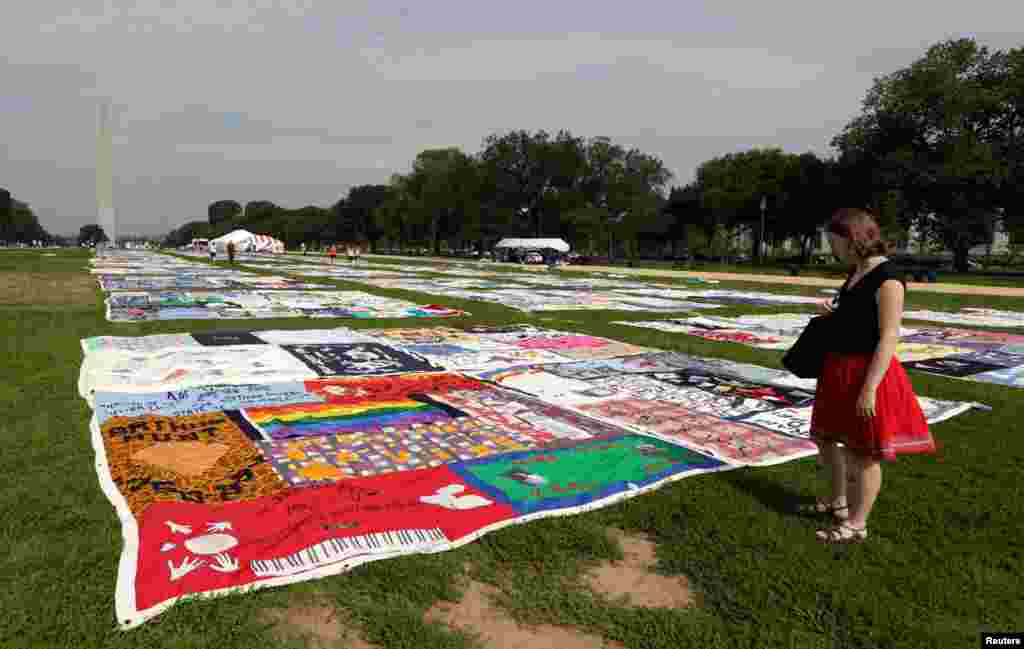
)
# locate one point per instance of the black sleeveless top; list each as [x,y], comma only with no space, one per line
[855,320]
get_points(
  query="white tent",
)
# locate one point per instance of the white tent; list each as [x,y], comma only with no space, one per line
[534,244]
[248,242]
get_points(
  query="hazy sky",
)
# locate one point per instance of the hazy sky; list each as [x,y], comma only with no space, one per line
[295,101]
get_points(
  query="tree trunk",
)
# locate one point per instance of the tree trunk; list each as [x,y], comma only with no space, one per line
[709,240]
[805,245]
[960,255]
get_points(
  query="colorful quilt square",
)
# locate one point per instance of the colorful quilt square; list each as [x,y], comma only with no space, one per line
[328,458]
[358,359]
[733,442]
[586,472]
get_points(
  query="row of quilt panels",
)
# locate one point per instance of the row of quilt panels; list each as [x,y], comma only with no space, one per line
[523,357]
[201,280]
[622,295]
[136,306]
[170,361]
[985,356]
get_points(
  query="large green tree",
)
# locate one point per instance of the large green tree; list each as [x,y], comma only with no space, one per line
[356,213]
[444,193]
[808,197]
[732,188]
[185,233]
[946,132]
[528,171]
[5,209]
[686,207]
[91,234]
[307,225]
[18,222]
[394,215]
[223,211]
[259,210]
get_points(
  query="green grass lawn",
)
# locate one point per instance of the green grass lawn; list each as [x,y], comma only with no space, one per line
[942,563]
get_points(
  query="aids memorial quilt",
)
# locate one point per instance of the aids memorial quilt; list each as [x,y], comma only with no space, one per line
[241,459]
[173,361]
[197,281]
[561,300]
[190,305]
[985,356]
[742,414]
[728,296]
[240,487]
[175,368]
[436,285]
[971,316]
[335,272]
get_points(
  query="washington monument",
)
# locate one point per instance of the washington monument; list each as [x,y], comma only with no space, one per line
[104,173]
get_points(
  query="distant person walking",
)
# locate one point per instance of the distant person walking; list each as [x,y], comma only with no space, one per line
[303,248]
[357,251]
[213,251]
[332,253]
[864,399]
[231,252]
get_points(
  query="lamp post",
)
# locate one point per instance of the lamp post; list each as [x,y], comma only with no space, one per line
[760,238]
[613,218]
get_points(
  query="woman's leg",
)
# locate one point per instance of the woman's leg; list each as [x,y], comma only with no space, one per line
[865,483]
[835,463]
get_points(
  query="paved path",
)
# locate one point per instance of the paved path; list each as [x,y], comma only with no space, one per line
[960,289]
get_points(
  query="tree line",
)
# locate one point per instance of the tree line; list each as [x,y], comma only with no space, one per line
[18,223]
[938,146]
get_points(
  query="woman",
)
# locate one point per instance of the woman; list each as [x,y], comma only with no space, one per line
[332,253]
[864,399]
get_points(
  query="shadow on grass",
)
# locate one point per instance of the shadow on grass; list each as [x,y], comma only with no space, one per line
[783,499]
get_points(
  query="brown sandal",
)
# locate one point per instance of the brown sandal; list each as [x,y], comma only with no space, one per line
[842,534]
[822,507]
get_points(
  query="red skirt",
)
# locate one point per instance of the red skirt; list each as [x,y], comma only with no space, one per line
[898,425]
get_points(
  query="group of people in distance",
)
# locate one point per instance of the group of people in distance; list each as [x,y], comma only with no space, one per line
[352,251]
[231,249]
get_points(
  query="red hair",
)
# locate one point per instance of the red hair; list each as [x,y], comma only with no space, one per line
[861,228]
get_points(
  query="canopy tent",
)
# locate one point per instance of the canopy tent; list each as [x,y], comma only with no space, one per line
[534,244]
[248,242]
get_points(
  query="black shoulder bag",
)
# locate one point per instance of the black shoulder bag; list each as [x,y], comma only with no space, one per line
[807,355]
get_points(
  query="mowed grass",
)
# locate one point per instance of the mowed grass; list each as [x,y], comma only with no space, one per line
[943,561]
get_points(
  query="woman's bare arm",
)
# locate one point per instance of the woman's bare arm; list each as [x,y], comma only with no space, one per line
[890,314]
